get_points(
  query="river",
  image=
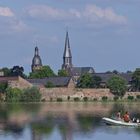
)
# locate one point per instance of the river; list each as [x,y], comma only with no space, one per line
[65,121]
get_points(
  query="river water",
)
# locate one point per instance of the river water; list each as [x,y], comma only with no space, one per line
[65,121]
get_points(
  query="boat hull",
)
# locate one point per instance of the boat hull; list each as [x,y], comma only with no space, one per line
[118,122]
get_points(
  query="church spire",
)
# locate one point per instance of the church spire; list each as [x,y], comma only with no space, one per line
[36,62]
[67,56]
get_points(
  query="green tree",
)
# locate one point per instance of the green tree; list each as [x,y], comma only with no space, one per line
[7,71]
[63,73]
[3,87]
[13,94]
[96,81]
[85,81]
[43,72]
[117,85]
[136,80]
[49,84]
[31,95]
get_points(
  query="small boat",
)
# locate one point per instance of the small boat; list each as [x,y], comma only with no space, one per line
[110,121]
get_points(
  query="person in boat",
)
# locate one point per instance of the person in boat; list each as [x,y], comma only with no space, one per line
[126,117]
[118,115]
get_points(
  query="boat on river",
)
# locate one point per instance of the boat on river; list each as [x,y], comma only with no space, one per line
[111,121]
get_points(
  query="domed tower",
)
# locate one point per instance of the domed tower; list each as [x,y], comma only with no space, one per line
[36,62]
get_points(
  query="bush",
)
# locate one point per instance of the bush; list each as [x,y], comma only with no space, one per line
[76,99]
[130,98]
[49,85]
[68,98]
[95,99]
[138,96]
[3,87]
[85,99]
[13,95]
[104,98]
[116,98]
[59,100]
[31,95]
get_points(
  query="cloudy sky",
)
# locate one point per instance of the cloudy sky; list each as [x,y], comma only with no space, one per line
[104,34]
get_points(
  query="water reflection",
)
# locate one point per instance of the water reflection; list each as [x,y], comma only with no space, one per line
[64,121]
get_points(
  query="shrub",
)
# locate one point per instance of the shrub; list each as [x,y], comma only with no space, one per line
[85,99]
[59,100]
[13,95]
[31,95]
[76,99]
[130,97]
[3,87]
[116,98]
[138,96]
[104,98]
[49,85]
[95,99]
[68,98]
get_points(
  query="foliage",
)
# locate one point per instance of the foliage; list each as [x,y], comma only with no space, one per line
[17,71]
[85,99]
[95,99]
[104,98]
[3,87]
[85,81]
[138,96]
[13,94]
[68,98]
[76,99]
[117,85]
[116,98]
[136,80]
[130,97]
[115,72]
[43,72]
[31,95]
[63,73]
[7,71]
[59,99]
[96,81]
[49,84]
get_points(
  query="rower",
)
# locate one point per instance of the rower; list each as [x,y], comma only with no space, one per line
[126,117]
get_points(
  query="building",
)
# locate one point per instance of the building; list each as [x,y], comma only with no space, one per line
[75,72]
[36,62]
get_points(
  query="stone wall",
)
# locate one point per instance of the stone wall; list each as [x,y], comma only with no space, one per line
[19,83]
[54,93]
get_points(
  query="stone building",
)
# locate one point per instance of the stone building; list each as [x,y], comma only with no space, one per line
[36,62]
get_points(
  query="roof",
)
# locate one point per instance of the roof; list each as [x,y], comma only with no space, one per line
[77,71]
[56,81]
[106,76]
[6,79]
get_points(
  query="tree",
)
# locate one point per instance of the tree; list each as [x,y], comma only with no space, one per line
[7,71]
[17,71]
[85,81]
[115,72]
[3,87]
[136,80]
[63,73]
[96,81]
[117,85]
[49,84]
[43,72]
[31,95]
[13,94]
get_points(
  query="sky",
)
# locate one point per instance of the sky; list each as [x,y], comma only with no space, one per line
[104,34]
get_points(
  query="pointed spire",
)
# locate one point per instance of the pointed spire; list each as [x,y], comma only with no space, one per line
[36,51]
[67,51]
[67,57]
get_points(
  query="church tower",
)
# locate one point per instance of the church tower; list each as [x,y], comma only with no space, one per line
[67,57]
[36,62]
